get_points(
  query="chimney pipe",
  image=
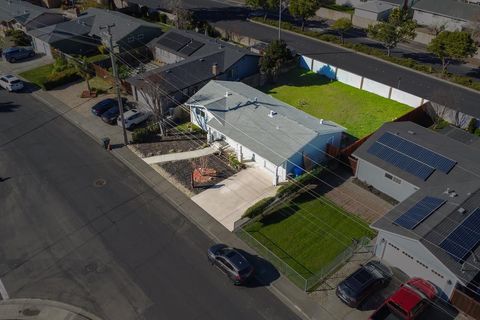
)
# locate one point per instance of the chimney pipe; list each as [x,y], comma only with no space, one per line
[215,69]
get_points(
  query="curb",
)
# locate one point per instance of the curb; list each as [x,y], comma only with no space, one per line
[368,56]
[23,304]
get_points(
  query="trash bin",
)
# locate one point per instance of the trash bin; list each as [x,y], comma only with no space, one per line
[106,142]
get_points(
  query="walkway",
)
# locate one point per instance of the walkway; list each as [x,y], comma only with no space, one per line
[180,155]
[38,309]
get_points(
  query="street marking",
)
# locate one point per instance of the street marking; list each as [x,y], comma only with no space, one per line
[3,291]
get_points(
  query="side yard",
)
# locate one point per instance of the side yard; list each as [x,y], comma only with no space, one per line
[359,111]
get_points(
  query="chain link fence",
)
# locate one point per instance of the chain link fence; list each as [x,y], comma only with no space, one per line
[306,281]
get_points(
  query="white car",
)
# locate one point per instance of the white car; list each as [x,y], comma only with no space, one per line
[11,83]
[132,118]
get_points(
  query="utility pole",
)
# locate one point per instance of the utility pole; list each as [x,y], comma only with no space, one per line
[108,33]
[279,19]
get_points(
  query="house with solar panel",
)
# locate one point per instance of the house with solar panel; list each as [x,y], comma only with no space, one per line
[189,60]
[434,231]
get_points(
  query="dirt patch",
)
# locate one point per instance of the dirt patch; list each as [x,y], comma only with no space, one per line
[181,171]
[172,143]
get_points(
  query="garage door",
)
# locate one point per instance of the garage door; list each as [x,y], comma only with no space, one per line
[413,266]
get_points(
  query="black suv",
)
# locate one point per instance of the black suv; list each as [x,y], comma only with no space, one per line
[363,282]
[231,262]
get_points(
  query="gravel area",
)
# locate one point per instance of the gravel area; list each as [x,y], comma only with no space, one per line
[171,144]
[182,170]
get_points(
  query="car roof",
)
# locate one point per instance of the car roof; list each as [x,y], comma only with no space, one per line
[9,77]
[130,113]
[235,258]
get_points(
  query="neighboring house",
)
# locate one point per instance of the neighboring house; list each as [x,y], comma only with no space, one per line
[357,3]
[52,3]
[374,10]
[83,34]
[434,231]
[453,15]
[191,60]
[22,15]
[273,134]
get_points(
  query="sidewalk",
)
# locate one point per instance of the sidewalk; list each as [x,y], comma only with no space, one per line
[38,309]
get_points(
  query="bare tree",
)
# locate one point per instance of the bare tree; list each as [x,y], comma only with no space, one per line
[183,17]
[155,101]
[442,108]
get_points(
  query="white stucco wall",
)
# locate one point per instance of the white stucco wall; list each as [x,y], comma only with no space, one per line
[41,47]
[376,87]
[413,258]
[406,98]
[349,78]
[375,176]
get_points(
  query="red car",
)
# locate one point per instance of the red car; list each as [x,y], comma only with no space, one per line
[407,302]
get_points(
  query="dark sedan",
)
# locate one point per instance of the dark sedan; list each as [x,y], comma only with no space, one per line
[103,106]
[366,280]
[110,116]
[231,262]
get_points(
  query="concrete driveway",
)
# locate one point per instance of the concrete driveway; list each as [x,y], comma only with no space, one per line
[228,200]
[24,65]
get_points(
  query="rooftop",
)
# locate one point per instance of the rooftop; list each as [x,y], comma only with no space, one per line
[257,120]
[376,6]
[449,8]
[453,189]
[22,11]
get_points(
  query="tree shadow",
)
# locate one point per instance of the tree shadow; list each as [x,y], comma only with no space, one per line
[265,272]
[8,106]
[297,78]
[422,57]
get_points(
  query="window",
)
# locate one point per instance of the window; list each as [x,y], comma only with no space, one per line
[391,245]
[437,274]
[131,39]
[140,36]
[394,179]
[422,264]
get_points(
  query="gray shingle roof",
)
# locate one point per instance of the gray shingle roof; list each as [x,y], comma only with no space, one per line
[64,30]
[464,179]
[21,11]
[376,6]
[449,8]
[247,122]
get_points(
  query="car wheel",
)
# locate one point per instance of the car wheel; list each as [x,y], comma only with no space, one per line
[12,60]
[31,54]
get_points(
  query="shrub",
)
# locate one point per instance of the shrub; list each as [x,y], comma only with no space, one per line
[234,163]
[477,132]
[298,183]
[102,49]
[162,17]
[472,125]
[60,64]
[57,79]
[141,135]
[258,208]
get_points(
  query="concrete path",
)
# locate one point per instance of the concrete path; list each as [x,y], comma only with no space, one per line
[228,199]
[39,309]
[180,155]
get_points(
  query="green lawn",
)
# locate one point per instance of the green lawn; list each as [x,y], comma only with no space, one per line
[100,84]
[308,233]
[359,111]
[38,75]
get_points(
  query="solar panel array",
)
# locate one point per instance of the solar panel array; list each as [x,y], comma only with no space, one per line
[417,152]
[191,47]
[464,239]
[401,161]
[409,156]
[173,41]
[419,212]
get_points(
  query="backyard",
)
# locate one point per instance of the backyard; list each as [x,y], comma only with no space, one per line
[308,233]
[359,111]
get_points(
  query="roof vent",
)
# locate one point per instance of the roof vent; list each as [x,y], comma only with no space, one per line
[448,191]
[452,195]
[227,94]
[201,59]
[255,99]
[411,132]
[461,210]
[169,71]
[277,127]
[271,113]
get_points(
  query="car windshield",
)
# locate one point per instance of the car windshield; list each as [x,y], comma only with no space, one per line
[15,81]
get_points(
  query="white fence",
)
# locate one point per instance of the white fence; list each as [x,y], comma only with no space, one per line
[360,82]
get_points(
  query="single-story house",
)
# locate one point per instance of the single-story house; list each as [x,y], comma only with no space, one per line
[453,15]
[80,35]
[22,15]
[357,3]
[434,231]
[191,60]
[273,134]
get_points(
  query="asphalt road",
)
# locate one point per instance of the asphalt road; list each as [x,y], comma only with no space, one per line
[80,228]
[412,82]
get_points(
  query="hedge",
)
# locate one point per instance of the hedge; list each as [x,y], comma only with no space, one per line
[299,182]
[60,78]
[141,135]
[258,208]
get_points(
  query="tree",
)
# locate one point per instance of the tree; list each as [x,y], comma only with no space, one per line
[183,17]
[399,27]
[450,45]
[303,9]
[19,37]
[276,54]
[265,5]
[342,26]
[155,100]
[83,69]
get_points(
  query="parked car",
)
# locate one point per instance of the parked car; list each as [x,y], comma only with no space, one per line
[17,53]
[363,282]
[231,262]
[103,106]
[408,302]
[11,83]
[110,116]
[132,118]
